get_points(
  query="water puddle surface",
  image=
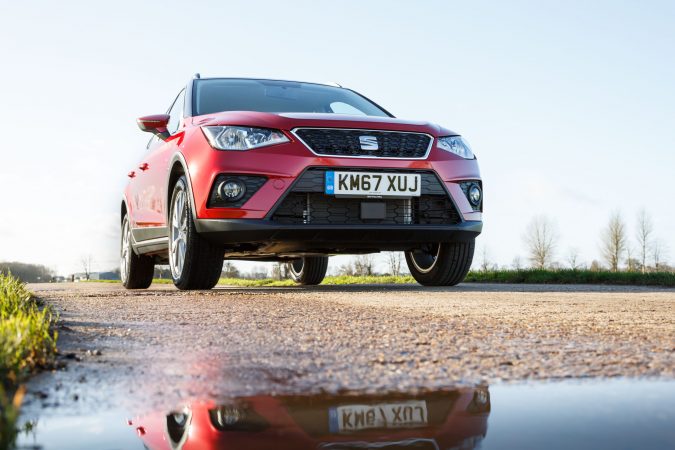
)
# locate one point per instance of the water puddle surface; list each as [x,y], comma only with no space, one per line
[615,414]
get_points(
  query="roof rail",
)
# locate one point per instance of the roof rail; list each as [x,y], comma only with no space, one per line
[196,76]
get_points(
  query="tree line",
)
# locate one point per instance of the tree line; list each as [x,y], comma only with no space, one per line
[644,253]
[28,273]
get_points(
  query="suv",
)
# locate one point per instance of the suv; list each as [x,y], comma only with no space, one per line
[269,170]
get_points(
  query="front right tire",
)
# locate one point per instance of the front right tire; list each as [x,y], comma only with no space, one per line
[195,262]
[441,264]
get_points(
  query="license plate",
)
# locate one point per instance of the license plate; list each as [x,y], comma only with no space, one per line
[373,184]
[348,418]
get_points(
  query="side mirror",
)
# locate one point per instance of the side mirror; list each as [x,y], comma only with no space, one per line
[155,124]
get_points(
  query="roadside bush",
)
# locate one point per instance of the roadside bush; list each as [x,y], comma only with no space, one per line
[570,276]
[27,342]
[26,338]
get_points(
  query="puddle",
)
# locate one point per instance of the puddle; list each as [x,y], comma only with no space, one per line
[616,414]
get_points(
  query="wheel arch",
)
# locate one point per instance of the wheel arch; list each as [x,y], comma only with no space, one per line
[179,167]
[123,210]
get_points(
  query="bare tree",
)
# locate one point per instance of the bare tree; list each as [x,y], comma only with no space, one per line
[645,228]
[658,251]
[517,264]
[230,270]
[86,261]
[280,270]
[258,272]
[573,258]
[631,262]
[364,265]
[614,241]
[485,262]
[394,262]
[346,269]
[541,238]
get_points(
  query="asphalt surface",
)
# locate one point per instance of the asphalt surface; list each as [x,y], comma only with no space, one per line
[152,349]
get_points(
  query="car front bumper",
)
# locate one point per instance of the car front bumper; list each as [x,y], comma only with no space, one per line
[265,236]
[283,164]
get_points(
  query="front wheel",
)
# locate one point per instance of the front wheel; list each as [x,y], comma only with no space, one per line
[309,270]
[195,262]
[441,264]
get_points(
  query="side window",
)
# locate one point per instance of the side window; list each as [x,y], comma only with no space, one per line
[152,141]
[176,113]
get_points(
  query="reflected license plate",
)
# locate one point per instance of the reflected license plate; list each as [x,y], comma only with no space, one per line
[373,184]
[348,418]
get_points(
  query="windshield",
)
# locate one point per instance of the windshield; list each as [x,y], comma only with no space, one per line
[216,95]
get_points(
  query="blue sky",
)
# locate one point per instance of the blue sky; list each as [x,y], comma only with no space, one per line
[570,106]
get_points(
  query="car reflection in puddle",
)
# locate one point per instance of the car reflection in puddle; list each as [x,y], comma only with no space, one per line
[437,420]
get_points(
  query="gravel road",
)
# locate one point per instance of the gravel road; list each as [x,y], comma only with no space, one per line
[157,347]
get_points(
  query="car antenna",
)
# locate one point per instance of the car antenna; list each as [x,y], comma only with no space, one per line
[197,76]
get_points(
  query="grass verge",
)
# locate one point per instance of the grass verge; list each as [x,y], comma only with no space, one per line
[526,276]
[569,276]
[331,280]
[27,342]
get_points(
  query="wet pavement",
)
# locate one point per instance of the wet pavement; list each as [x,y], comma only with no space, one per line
[610,414]
[476,366]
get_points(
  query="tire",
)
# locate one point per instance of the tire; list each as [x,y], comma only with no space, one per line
[195,262]
[444,264]
[136,271]
[309,270]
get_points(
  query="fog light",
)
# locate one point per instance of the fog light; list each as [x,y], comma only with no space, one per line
[481,397]
[229,415]
[475,195]
[231,190]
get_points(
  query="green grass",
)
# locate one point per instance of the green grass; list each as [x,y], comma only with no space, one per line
[331,280]
[27,342]
[569,276]
[528,276]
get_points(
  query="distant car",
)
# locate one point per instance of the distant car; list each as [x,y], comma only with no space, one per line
[268,170]
[453,419]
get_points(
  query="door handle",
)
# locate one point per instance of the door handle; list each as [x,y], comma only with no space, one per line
[144,166]
[131,174]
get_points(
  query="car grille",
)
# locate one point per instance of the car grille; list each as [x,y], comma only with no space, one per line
[307,204]
[346,143]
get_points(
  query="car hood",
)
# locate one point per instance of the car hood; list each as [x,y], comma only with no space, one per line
[289,121]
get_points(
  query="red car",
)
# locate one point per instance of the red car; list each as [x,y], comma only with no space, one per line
[268,170]
[453,419]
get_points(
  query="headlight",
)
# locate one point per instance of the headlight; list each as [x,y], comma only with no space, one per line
[242,138]
[456,145]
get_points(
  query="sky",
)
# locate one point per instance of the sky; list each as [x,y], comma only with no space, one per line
[569,106]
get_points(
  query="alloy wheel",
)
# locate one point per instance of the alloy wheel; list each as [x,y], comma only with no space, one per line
[425,258]
[296,266]
[125,252]
[179,227]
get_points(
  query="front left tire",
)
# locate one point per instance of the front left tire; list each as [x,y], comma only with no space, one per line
[308,271]
[195,262]
[136,271]
[441,264]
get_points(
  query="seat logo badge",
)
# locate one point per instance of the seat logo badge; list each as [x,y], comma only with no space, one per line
[368,143]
